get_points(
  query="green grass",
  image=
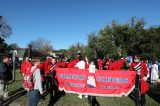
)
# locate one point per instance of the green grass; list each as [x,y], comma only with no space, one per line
[73,100]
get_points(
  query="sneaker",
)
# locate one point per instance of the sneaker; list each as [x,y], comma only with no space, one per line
[86,96]
[80,96]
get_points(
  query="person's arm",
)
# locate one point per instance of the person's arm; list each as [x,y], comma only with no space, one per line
[131,67]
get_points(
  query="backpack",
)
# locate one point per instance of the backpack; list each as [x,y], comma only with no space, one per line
[27,81]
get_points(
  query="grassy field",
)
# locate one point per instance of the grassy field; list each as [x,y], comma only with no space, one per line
[18,97]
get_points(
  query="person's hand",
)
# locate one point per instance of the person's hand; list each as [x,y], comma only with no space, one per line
[158,80]
[126,58]
[145,78]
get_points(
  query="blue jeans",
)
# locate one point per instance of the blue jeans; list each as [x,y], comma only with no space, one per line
[34,97]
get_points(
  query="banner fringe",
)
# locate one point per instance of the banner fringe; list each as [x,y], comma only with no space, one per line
[103,95]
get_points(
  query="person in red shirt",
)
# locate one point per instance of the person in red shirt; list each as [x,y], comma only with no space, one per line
[86,63]
[61,64]
[45,68]
[100,64]
[72,63]
[26,66]
[47,62]
[117,65]
[51,79]
[108,62]
[141,78]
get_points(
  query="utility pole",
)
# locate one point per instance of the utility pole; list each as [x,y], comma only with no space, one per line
[14,64]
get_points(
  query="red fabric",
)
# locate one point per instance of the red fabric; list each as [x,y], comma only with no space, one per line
[50,67]
[86,65]
[61,64]
[100,64]
[107,64]
[27,80]
[76,81]
[41,67]
[25,67]
[48,71]
[72,63]
[117,65]
[144,72]
[46,64]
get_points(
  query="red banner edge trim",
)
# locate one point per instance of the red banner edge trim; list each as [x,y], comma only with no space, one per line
[104,95]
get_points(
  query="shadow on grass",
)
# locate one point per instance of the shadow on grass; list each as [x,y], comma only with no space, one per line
[14,95]
[154,92]
[132,97]
[54,99]
[93,101]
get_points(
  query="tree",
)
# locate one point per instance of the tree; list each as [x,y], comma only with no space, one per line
[3,46]
[92,45]
[5,29]
[61,53]
[13,46]
[41,45]
[126,39]
[101,44]
[73,50]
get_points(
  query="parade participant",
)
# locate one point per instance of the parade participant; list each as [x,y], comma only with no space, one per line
[145,61]
[51,78]
[5,76]
[100,64]
[140,82]
[91,99]
[86,63]
[61,64]
[36,91]
[66,62]
[80,65]
[154,72]
[72,63]
[47,62]
[108,64]
[25,66]
[51,66]
[117,65]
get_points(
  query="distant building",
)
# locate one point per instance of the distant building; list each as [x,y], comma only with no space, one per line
[52,54]
[20,53]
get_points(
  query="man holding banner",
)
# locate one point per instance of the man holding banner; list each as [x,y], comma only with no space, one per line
[141,86]
[80,65]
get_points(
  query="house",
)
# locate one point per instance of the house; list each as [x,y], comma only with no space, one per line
[20,53]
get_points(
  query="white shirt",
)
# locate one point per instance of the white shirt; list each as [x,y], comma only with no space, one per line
[155,68]
[37,79]
[80,65]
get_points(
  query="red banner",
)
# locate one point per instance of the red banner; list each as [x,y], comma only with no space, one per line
[100,83]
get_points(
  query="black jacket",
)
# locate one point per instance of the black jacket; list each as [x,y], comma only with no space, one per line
[7,73]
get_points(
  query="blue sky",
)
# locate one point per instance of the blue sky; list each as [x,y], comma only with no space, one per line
[66,22]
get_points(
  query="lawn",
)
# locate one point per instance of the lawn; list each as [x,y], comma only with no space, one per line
[18,97]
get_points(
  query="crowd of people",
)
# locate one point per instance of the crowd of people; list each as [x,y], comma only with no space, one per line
[42,74]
